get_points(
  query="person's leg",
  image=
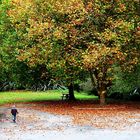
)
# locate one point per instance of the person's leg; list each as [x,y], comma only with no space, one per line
[14,118]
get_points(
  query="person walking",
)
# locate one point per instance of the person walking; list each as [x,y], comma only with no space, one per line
[14,112]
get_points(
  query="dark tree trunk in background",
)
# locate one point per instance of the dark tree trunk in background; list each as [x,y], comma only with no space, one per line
[71,92]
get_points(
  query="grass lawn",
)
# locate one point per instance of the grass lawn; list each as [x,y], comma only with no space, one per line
[30,96]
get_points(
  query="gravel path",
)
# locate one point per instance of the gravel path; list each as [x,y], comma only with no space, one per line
[36,125]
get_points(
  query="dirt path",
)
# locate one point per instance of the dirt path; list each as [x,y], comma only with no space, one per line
[38,125]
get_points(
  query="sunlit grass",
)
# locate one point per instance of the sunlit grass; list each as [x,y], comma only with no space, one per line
[30,96]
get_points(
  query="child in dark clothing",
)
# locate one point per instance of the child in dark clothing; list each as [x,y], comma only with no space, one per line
[14,113]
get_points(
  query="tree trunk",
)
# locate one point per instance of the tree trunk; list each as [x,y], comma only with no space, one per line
[71,92]
[102,97]
[93,79]
[94,82]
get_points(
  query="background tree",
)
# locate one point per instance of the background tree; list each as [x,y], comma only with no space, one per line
[7,38]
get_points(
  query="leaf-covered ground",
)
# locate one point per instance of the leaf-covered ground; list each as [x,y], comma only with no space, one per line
[114,115]
[57,119]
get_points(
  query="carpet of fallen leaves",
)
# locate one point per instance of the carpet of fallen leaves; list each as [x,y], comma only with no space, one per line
[114,115]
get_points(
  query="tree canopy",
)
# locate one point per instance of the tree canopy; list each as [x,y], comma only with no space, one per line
[73,37]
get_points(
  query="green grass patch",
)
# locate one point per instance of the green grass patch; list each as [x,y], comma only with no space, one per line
[30,96]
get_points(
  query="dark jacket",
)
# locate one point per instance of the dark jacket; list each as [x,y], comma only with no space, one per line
[14,111]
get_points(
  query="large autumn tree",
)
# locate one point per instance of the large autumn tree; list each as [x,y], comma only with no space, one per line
[73,36]
[115,40]
[48,36]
